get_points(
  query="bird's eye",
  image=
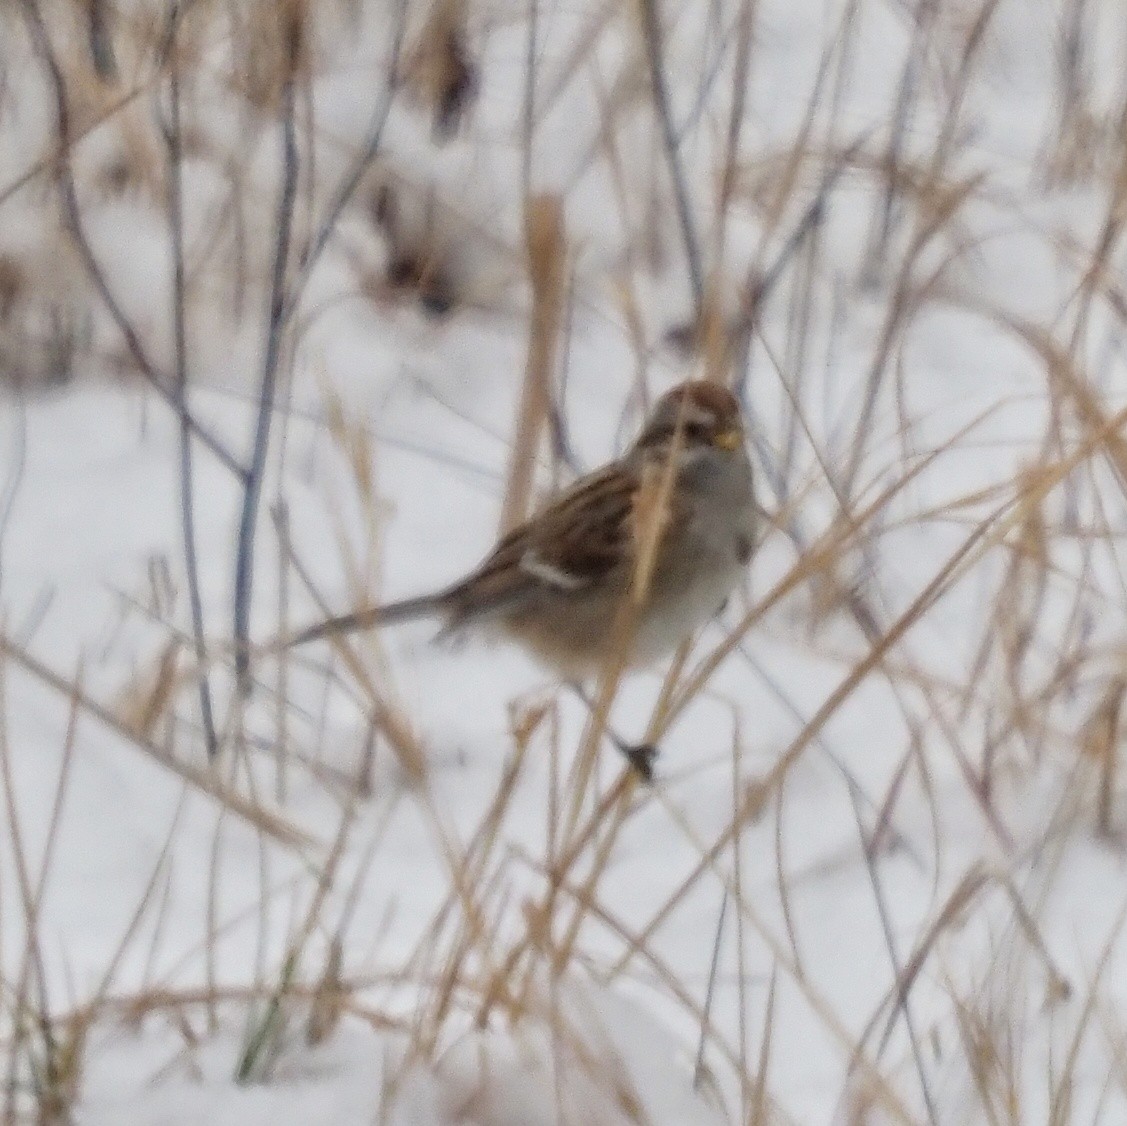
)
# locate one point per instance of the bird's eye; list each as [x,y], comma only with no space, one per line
[697,432]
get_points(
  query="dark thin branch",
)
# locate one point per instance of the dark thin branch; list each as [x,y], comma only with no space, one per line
[252,494]
[888,932]
[174,149]
[651,30]
[760,284]
[857,793]
[72,216]
[101,41]
[283,304]
[15,477]
[43,164]
[740,68]
[710,993]
[906,96]
[351,181]
[710,74]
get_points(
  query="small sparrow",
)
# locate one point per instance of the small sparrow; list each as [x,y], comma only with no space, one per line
[555,584]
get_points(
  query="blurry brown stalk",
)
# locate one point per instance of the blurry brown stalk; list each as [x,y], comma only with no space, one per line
[546,246]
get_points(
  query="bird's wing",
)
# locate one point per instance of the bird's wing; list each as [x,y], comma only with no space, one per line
[578,539]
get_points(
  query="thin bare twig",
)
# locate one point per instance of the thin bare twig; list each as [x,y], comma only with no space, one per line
[868,851]
[252,493]
[204,781]
[655,56]
[284,301]
[174,150]
[706,1016]
[906,96]
[101,41]
[72,216]
[352,179]
[15,477]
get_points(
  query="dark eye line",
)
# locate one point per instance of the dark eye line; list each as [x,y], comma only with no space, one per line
[697,430]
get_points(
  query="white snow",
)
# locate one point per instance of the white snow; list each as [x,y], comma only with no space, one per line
[169,917]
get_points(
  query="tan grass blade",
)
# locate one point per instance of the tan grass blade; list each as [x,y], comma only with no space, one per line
[546,245]
[204,781]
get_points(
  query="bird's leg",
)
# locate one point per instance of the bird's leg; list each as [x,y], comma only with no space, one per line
[640,756]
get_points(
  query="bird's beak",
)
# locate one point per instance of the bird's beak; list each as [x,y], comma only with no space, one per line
[729,439]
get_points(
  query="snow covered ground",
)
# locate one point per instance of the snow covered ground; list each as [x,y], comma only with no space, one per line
[880,876]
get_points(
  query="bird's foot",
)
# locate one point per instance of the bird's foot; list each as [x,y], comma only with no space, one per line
[641,757]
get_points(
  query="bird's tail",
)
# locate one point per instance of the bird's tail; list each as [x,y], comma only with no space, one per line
[425,606]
